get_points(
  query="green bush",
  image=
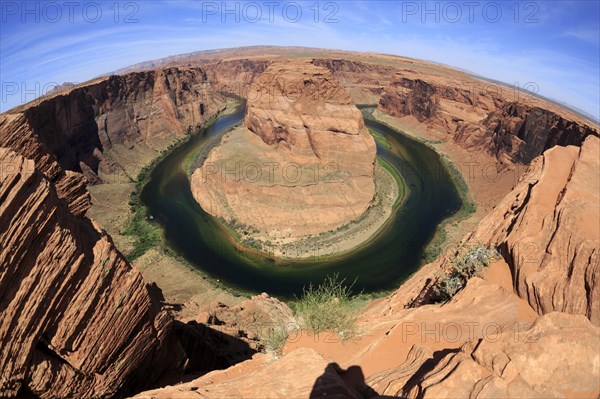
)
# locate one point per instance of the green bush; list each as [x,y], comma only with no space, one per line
[465,265]
[145,233]
[328,307]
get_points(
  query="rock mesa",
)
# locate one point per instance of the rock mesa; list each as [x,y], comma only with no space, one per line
[305,163]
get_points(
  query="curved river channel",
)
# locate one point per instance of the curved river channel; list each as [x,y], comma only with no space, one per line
[381,264]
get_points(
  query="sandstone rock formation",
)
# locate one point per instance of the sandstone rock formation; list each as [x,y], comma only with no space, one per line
[520,132]
[410,97]
[300,374]
[77,320]
[251,320]
[303,109]
[555,357]
[511,125]
[107,123]
[234,76]
[20,136]
[480,344]
[364,81]
[548,229]
[307,168]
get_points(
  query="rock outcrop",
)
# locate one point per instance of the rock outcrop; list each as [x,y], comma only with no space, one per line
[251,320]
[301,374]
[410,97]
[364,81]
[548,229]
[305,163]
[510,125]
[556,357]
[21,137]
[106,123]
[234,76]
[521,132]
[77,320]
[480,344]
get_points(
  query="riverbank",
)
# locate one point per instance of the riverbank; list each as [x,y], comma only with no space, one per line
[480,185]
[389,192]
[206,244]
[276,244]
[116,207]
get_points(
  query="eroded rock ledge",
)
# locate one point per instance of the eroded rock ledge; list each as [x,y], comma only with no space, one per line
[77,319]
[305,163]
[548,229]
[511,125]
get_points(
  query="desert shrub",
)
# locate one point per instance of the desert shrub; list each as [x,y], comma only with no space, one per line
[275,338]
[146,234]
[328,307]
[465,265]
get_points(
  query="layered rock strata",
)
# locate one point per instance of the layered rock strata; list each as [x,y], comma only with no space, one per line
[77,319]
[548,229]
[511,125]
[106,124]
[305,163]
[554,358]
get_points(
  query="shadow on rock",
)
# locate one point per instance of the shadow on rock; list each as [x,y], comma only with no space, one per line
[337,383]
[208,349]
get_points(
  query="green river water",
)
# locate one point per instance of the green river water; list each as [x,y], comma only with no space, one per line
[382,264]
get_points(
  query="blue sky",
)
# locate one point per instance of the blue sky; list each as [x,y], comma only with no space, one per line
[553,46]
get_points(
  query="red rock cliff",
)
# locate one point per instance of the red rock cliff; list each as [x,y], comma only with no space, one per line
[491,118]
[77,319]
[73,131]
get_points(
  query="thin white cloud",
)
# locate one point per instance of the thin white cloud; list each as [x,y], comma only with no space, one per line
[586,35]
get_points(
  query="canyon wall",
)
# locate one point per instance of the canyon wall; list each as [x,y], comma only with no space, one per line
[77,320]
[235,76]
[511,125]
[108,123]
[303,165]
[364,81]
[548,229]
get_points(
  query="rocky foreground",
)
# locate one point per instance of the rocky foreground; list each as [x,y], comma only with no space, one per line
[305,163]
[534,335]
[78,320]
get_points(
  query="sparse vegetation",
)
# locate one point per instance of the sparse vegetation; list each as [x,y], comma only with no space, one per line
[148,235]
[381,139]
[468,204]
[276,338]
[465,265]
[328,307]
[397,178]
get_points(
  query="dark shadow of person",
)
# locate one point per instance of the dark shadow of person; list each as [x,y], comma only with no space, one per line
[337,383]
